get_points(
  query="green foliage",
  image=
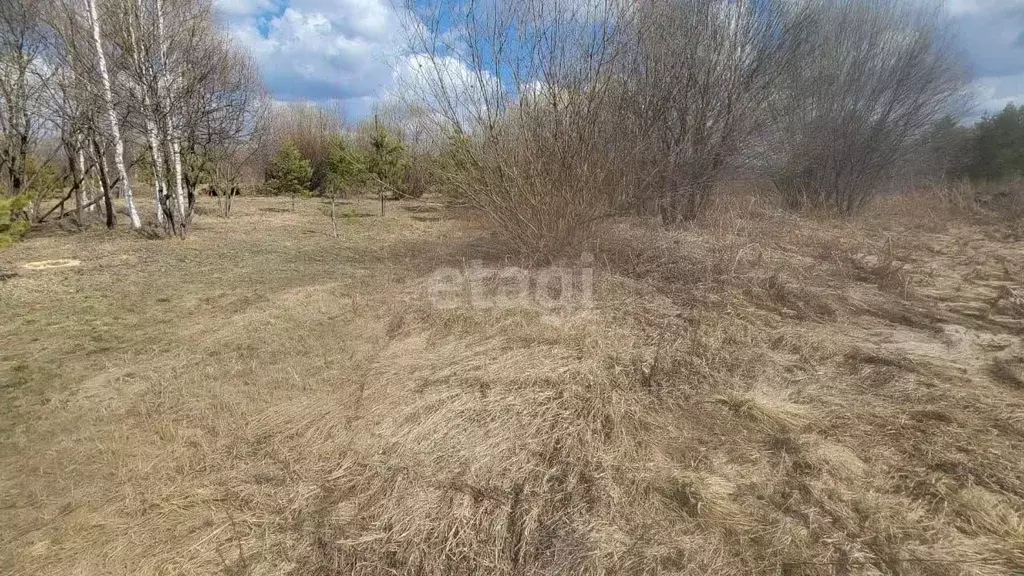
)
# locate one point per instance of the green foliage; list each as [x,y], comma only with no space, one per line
[999,145]
[11,226]
[453,164]
[345,167]
[289,173]
[417,176]
[948,150]
[44,180]
[386,158]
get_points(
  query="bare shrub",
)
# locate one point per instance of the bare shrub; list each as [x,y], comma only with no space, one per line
[572,111]
[693,91]
[873,78]
[521,84]
[543,191]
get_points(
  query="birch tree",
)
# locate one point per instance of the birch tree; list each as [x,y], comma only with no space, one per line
[68,108]
[165,88]
[146,93]
[22,78]
[200,97]
[115,129]
[226,117]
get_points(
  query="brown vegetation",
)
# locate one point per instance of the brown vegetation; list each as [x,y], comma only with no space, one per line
[758,392]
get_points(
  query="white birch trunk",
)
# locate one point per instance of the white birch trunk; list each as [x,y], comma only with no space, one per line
[158,166]
[179,192]
[115,129]
[83,187]
[174,147]
[150,118]
[87,178]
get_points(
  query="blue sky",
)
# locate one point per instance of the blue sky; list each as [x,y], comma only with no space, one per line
[345,49]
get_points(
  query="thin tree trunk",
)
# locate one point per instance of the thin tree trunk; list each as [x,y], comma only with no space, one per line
[115,129]
[86,175]
[334,220]
[179,192]
[18,116]
[108,205]
[18,165]
[77,181]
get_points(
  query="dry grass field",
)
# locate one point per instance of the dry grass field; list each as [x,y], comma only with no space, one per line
[759,393]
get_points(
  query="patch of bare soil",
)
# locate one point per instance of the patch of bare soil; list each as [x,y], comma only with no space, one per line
[45,264]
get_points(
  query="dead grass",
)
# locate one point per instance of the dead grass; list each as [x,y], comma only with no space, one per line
[754,393]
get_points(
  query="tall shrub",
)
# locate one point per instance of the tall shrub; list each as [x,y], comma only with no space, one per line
[522,84]
[871,79]
[692,89]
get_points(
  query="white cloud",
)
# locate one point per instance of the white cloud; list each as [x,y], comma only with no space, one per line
[445,84]
[995,93]
[319,49]
[356,51]
[236,8]
[374,19]
[964,6]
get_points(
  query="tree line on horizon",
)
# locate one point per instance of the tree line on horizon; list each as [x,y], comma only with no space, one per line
[546,118]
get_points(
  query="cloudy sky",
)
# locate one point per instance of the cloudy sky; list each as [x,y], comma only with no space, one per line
[992,31]
[344,49]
